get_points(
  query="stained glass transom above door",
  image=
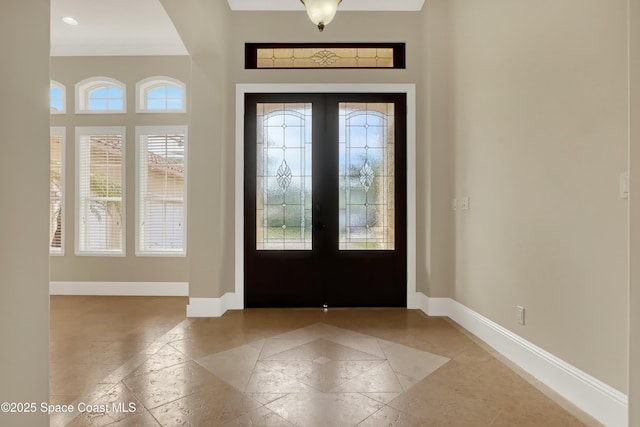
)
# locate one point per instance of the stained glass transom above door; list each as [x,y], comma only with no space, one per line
[324,55]
[283,196]
[367,202]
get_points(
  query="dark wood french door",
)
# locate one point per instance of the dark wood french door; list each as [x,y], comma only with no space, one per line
[325,200]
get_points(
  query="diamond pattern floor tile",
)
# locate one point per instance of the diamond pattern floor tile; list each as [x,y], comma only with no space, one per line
[302,373]
[351,367]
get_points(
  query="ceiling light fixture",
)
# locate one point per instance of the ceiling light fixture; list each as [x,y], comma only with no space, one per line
[69,20]
[321,12]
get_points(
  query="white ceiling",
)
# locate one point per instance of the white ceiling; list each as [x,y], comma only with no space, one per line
[113,27]
[142,27]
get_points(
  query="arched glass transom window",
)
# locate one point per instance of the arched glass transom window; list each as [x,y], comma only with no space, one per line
[100,95]
[57,98]
[161,94]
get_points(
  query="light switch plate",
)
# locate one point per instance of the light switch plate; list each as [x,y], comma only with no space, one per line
[624,185]
[520,315]
[464,203]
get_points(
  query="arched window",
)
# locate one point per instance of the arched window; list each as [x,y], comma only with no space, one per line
[101,95]
[161,94]
[57,98]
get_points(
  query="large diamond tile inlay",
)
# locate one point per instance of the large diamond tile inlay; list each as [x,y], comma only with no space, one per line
[301,373]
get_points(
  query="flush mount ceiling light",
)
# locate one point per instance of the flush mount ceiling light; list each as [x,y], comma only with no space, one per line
[321,12]
[69,20]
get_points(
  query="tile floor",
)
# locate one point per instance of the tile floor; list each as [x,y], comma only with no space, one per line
[305,367]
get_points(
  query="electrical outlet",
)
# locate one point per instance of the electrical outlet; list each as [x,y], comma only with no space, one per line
[464,203]
[520,315]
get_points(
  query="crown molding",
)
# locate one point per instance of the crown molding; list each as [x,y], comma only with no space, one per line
[347,5]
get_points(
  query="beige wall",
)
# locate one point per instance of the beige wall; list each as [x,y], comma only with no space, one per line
[215,37]
[203,26]
[634,295]
[129,70]
[356,27]
[438,165]
[538,94]
[404,27]
[24,182]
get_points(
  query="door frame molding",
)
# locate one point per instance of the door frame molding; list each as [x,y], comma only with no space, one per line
[409,89]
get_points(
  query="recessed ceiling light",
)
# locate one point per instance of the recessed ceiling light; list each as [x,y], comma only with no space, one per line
[69,20]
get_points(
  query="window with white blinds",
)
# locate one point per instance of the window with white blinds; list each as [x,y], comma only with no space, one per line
[161,190]
[100,191]
[56,191]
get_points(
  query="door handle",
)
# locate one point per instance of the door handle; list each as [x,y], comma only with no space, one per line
[318,226]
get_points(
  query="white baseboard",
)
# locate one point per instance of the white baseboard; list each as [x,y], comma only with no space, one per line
[163,289]
[213,307]
[604,403]
[601,401]
[434,306]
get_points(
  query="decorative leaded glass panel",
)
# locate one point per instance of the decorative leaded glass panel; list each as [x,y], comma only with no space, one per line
[325,58]
[324,55]
[283,197]
[367,200]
